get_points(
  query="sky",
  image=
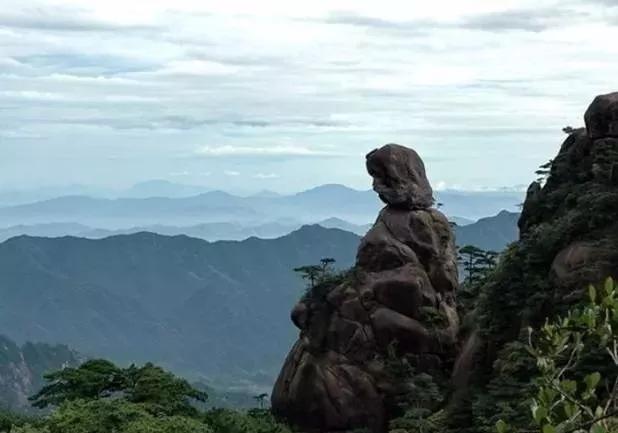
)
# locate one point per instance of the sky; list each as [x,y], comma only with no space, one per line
[285,95]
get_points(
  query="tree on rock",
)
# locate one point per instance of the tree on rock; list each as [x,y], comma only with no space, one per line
[476,262]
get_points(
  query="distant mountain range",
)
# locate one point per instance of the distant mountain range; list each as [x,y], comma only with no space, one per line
[206,231]
[215,312]
[311,206]
[491,233]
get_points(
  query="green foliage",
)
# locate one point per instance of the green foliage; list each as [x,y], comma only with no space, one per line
[10,421]
[568,399]
[478,266]
[99,397]
[544,171]
[254,421]
[150,385]
[261,400]
[161,391]
[94,379]
[322,278]
[477,262]
[118,415]
[419,397]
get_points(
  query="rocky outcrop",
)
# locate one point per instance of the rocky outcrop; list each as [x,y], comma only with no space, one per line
[576,208]
[399,297]
[22,370]
[568,240]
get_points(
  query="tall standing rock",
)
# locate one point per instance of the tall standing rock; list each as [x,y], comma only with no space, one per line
[399,297]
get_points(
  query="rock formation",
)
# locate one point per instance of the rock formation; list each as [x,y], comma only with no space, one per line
[568,240]
[579,202]
[399,298]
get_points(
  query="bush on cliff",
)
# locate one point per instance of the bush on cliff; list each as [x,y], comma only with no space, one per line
[571,395]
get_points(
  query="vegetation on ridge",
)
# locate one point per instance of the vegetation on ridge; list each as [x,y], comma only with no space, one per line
[99,397]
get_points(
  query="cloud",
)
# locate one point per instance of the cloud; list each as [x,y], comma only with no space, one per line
[419,27]
[527,20]
[610,3]
[266,176]
[193,67]
[231,173]
[20,135]
[253,151]
[85,64]
[184,173]
[170,122]
[63,20]
[446,77]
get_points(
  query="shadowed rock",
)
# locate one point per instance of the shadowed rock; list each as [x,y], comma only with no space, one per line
[602,116]
[399,177]
[568,240]
[400,293]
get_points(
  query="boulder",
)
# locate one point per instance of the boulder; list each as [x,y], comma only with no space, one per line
[399,177]
[401,297]
[602,117]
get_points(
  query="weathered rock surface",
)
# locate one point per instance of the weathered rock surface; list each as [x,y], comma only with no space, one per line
[399,177]
[568,240]
[602,117]
[401,293]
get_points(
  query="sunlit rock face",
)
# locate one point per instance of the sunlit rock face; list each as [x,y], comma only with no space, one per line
[399,297]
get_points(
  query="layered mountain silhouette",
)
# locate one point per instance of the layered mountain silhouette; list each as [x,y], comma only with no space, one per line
[317,204]
[491,233]
[200,308]
[203,309]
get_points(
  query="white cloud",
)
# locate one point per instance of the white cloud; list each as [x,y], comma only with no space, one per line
[193,67]
[275,150]
[266,176]
[295,86]
[232,173]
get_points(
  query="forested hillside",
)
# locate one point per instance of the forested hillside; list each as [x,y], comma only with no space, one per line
[211,311]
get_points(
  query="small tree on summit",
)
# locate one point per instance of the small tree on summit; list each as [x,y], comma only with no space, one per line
[316,273]
[310,273]
[261,400]
[326,262]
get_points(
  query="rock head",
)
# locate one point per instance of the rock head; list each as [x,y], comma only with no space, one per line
[399,177]
[602,116]
[398,300]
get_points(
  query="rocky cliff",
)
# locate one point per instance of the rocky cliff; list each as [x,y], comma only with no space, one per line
[22,370]
[398,302]
[568,240]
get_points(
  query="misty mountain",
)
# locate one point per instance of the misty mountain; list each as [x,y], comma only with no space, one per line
[162,188]
[492,233]
[324,202]
[208,231]
[206,310]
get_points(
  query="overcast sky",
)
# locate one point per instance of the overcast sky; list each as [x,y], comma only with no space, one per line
[285,95]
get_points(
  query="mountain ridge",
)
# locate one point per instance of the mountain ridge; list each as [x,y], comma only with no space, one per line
[141,297]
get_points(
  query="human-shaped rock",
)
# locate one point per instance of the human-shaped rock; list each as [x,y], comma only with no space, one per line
[400,294]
